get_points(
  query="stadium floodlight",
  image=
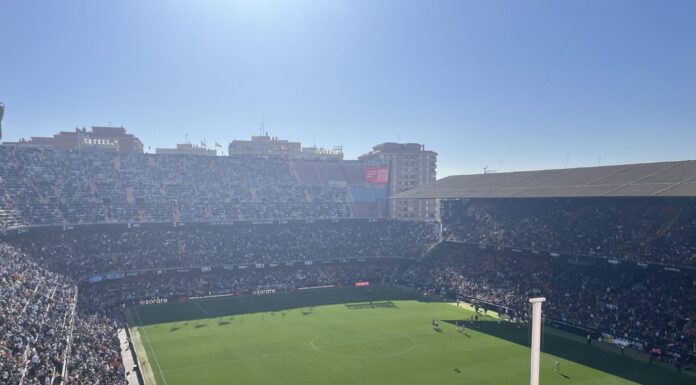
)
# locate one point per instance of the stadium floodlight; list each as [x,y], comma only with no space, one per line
[536,339]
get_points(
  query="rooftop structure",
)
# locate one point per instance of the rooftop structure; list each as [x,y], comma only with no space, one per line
[662,179]
[186,149]
[268,145]
[409,165]
[99,138]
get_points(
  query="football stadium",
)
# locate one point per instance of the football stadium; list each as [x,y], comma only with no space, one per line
[186,269]
[331,192]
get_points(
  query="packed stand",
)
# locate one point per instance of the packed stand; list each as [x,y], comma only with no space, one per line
[86,252]
[37,320]
[647,230]
[40,186]
[35,316]
[95,355]
[173,284]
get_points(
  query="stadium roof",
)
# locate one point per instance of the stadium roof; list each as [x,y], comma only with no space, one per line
[663,179]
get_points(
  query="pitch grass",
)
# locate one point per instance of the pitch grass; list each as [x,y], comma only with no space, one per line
[388,343]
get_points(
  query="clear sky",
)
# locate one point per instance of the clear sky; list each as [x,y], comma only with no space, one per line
[503,84]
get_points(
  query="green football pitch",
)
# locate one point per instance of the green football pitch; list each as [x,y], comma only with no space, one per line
[301,338]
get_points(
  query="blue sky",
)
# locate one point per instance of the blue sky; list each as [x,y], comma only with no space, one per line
[458,76]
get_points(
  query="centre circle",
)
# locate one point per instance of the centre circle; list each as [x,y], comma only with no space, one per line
[363,343]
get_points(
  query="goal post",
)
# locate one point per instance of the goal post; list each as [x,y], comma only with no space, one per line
[536,339]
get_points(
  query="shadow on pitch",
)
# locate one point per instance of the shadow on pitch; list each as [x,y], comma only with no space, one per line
[579,352]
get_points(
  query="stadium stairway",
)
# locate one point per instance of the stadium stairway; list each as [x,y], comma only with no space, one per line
[128,357]
[441,248]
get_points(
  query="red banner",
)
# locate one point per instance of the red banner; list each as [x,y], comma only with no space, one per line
[377,175]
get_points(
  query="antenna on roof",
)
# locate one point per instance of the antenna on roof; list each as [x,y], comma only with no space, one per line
[262,126]
[2,113]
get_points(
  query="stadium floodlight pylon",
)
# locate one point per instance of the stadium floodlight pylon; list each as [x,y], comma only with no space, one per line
[536,339]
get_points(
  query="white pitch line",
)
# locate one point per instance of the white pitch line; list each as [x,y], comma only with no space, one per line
[201,308]
[151,348]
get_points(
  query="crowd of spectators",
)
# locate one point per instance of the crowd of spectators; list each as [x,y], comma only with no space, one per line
[40,324]
[84,252]
[652,306]
[37,323]
[41,186]
[35,317]
[95,354]
[174,284]
[656,307]
[647,230]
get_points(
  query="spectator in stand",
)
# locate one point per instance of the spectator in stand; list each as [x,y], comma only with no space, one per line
[36,314]
[109,294]
[87,252]
[53,187]
[644,230]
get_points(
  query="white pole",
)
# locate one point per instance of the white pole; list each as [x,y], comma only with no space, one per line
[536,339]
